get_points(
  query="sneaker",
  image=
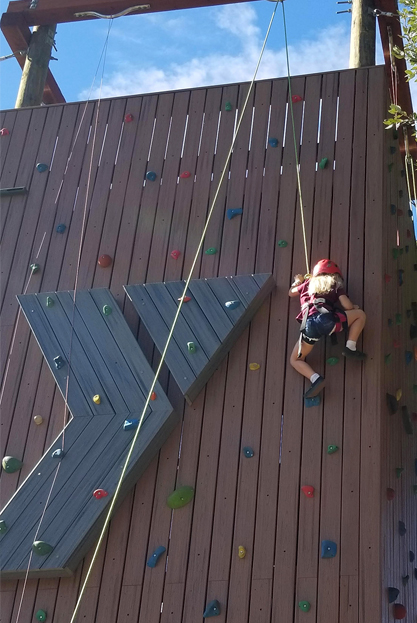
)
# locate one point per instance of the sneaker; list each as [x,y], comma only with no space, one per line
[353,354]
[315,388]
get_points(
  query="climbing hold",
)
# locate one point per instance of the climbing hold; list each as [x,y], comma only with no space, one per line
[392,149]
[328,549]
[128,118]
[212,609]
[387,278]
[41,167]
[61,228]
[396,343]
[400,212]
[332,361]
[175,254]
[38,419]
[390,323]
[398,319]
[400,193]
[392,594]
[402,172]
[59,362]
[415,489]
[211,251]
[393,208]
[401,250]
[4,132]
[332,449]
[395,253]
[282,243]
[405,579]
[180,497]
[49,301]
[408,313]
[151,176]
[308,491]
[231,212]
[100,493]
[130,424]
[400,277]
[407,248]
[392,404]
[411,556]
[312,402]
[401,528]
[248,452]
[413,331]
[3,526]
[185,174]
[153,396]
[42,548]
[273,142]
[323,163]
[390,494]
[232,304]
[254,366]
[399,471]
[34,268]
[11,464]
[191,347]
[408,426]
[228,106]
[155,556]
[408,357]
[296,98]
[388,358]
[58,454]
[304,605]
[398,394]
[104,261]
[185,299]
[107,310]
[40,615]
[97,399]
[400,611]
[241,552]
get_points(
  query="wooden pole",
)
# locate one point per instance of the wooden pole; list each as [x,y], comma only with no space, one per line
[35,70]
[362,37]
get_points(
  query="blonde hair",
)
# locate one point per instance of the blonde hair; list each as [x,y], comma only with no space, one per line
[323,284]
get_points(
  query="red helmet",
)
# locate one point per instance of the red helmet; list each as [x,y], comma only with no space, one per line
[326,267]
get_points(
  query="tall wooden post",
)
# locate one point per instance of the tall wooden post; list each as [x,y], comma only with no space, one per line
[35,70]
[362,38]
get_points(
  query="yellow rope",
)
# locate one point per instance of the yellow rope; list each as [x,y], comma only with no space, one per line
[297,166]
[122,475]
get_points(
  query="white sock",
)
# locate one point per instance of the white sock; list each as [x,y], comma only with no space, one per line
[351,345]
[314,377]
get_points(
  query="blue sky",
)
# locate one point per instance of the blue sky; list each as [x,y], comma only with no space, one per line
[195,47]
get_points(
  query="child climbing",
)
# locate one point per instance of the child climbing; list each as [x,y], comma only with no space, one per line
[319,316]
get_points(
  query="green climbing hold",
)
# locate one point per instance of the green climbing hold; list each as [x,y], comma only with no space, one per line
[304,606]
[414,389]
[391,164]
[49,301]
[395,253]
[191,347]
[212,609]
[211,251]
[323,163]
[11,464]
[3,526]
[399,471]
[228,106]
[42,548]
[398,319]
[41,615]
[34,268]
[180,497]
[331,449]
[332,361]
[282,243]
[388,358]
[107,310]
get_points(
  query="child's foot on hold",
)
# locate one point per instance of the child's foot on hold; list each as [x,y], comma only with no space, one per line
[353,354]
[315,388]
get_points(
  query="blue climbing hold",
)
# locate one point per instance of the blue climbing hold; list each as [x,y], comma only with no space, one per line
[155,556]
[248,452]
[273,142]
[408,357]
[151,176]
[411,556]
[59,362]
[392,594]
[212,609]
[58,454]
[232,304]
[312,402]
[41,167]
[400,277]
[130,424]
[231,212]
[328,549]
[61,228]
[407,248]
[393,208]
[401,528]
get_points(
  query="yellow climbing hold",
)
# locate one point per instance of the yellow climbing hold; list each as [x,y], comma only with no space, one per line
[241,551]
[398,394]
[254,366]
[38,419]
[97,399]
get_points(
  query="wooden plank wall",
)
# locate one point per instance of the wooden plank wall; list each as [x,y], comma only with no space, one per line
[253,502]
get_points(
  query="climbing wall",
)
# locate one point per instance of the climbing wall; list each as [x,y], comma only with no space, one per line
[141,207]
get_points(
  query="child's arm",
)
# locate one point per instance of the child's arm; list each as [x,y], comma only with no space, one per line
[346,303]
[298,279]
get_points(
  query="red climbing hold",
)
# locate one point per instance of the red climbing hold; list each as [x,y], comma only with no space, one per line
[397,344]
[308,491]
[390,494]
[185,299]
[185,175]
[128,117]
[296,99]
[104,261]
[153,396]
[4,132]
[399,611]
[175,254]
[100,493]
[387,278]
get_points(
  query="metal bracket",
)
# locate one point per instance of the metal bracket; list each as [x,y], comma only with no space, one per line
[139,7]
[379,13]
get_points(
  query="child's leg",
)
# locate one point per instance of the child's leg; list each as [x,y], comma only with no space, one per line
[299,364]
[356,319]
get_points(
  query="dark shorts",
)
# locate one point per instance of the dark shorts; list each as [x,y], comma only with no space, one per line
[323,324]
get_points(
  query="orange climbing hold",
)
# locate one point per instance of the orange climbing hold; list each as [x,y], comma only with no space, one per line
[153,396]
[104,261]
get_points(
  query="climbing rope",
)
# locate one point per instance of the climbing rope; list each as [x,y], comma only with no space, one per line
[297,165]
[196,256]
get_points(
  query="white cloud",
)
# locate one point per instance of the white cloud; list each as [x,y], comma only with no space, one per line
[329,50]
